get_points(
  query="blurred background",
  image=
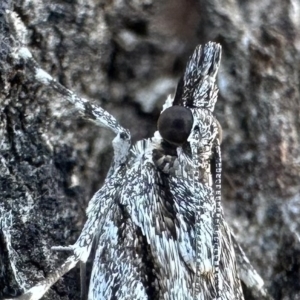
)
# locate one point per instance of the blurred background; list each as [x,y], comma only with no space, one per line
[127,57]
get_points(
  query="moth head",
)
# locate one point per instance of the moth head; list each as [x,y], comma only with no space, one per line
[187,120]
[178,125]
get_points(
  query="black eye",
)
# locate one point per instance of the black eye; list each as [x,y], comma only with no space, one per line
[175,124]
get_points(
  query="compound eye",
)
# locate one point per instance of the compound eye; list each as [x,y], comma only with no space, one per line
[175,124]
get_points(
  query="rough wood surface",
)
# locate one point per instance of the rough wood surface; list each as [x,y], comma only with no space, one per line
[127,57]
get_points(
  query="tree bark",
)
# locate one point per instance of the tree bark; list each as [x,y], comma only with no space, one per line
[127,56]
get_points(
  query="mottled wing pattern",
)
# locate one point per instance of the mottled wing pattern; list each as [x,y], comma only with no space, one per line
[157,209]
[151,206]
[181,190]
[99,210]
[117,265]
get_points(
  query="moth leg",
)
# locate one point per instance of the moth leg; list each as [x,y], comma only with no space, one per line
[90,111]
[40,289]
[83,288]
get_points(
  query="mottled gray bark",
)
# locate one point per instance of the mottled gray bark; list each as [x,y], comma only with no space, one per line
[127,56]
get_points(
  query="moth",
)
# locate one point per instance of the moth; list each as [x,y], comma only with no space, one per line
[157,223]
